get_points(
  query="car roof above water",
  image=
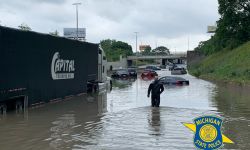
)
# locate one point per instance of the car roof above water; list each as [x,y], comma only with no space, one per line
[122,70]
[173,78]
[147,70]
[131,69]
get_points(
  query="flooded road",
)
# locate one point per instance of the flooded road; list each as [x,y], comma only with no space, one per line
[123,119]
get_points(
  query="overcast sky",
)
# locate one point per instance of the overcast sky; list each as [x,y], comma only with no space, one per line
[159,23]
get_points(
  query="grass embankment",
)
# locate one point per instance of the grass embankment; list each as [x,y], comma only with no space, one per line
[226,65]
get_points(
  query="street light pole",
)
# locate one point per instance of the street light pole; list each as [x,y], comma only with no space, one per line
[136,64]
[136,40]
[136,46]
[76,4]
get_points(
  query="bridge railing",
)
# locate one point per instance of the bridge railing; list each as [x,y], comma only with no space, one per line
[157,56]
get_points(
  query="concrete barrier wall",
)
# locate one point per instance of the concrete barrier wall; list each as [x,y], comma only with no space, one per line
[117,64]
[194,57]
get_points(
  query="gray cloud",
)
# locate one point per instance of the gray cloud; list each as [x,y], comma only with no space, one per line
[161,20]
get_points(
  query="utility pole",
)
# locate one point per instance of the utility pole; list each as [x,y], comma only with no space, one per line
[136,64]
[136,33]
[76,4]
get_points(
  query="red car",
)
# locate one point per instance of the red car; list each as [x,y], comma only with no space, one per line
[149,73]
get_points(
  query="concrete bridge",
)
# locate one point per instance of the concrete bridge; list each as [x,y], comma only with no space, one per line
[174,58]
[179,58]
[171,56]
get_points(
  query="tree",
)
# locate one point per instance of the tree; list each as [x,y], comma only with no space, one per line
[147,51]
[233,27]
[161,50]
[56,33]
[24,27]
[113,49]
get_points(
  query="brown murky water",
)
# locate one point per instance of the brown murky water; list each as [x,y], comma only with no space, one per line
[123,118]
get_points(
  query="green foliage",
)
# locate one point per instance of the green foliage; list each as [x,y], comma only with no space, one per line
[233,65]
[146,51]
[144,62]
[233,27]
[161,50]
[24,27]
[113,49]
[210,46]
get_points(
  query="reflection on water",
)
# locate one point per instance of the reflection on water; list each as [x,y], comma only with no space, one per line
[154,120]
[123,82]
[66,129]
[123,118]
[141,128]
[53,125]
[233,103]
[197,95]
[60,130]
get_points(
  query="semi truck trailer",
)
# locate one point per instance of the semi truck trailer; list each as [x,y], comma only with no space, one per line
[39,68]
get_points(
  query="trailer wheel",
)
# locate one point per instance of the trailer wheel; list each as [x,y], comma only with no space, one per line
[111,86]
[3,109]
[19,106]
[96,88]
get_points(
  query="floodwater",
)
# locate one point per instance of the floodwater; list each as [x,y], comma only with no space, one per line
[123,119]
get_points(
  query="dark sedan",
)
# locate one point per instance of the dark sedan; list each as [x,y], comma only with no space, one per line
[153,68]
[171,80]
[132,72]
[120,74]
[178,71]
[172,66]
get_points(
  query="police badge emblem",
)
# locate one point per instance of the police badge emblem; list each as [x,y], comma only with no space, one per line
[208,134]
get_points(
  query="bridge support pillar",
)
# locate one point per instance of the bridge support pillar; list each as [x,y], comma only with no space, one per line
[129,63]
[163,61]
[179,61]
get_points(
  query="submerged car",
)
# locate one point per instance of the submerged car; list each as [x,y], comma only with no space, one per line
[163,66]
[153,68]
[171,80]
[147,78]
[149,73]
[172,66]
[123,73]
[178,71]
[132,72]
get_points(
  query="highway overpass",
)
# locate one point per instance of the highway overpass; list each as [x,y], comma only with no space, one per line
[173,56]
[176,58]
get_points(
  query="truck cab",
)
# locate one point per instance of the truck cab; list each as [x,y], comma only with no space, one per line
[104,82]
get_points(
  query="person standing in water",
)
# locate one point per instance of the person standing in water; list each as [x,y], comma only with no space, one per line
[155,88]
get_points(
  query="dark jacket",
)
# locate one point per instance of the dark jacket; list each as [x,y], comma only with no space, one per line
[155,88]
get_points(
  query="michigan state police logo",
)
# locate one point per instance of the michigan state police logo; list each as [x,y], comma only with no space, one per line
[208,134]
